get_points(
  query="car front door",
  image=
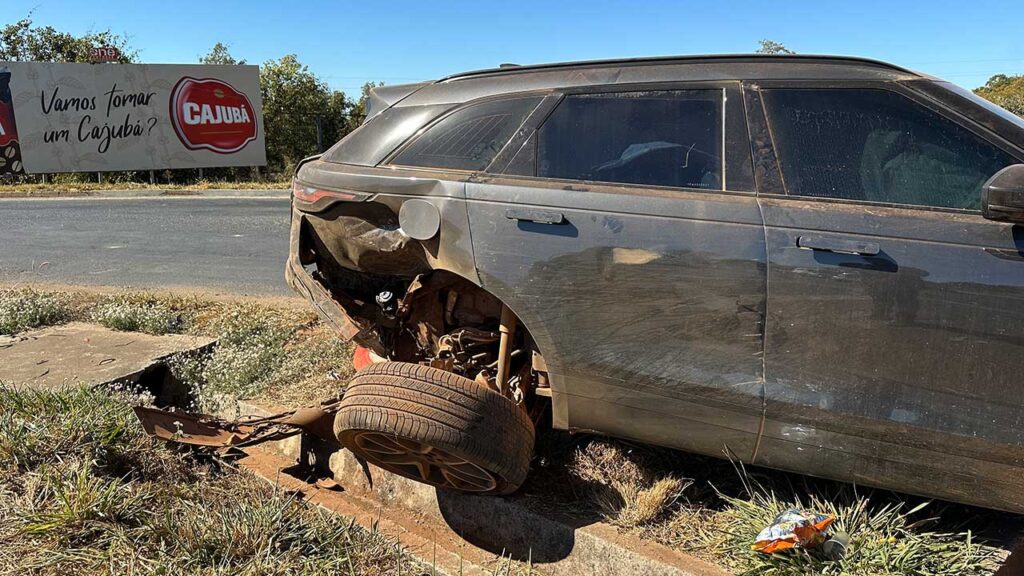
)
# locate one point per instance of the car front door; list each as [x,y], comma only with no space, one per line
[895,333]
[624,232]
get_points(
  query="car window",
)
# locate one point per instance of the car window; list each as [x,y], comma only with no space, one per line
[469,138]
[665,138]
[879,146]
[380,135]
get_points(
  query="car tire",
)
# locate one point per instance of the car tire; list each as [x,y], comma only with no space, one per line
[435,427]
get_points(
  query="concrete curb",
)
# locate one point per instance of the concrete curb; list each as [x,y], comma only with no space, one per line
[147,193]
[484,530]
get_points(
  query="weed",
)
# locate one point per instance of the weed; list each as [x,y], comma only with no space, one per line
[316,365]
[249,353]
[137,313]
[24,308]
[626,490]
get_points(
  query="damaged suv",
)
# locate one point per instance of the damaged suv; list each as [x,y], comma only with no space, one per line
[807,263]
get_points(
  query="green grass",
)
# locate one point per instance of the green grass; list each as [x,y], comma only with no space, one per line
[885,539]
[715,510]
[83,491]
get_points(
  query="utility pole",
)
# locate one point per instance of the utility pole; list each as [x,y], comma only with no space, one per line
[319,134]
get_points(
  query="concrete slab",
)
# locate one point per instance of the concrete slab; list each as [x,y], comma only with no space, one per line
[480,531]
[86,354]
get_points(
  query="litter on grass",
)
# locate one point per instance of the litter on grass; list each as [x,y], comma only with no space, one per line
[793,529]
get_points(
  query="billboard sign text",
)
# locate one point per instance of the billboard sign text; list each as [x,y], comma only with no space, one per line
[84,117]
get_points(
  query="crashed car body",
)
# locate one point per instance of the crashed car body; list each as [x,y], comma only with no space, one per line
[804,263]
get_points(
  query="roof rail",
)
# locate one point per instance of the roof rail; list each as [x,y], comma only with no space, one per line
[506,69]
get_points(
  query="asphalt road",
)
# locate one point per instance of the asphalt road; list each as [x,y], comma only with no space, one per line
[223,244]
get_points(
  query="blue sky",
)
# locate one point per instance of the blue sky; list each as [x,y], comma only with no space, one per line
[348,43]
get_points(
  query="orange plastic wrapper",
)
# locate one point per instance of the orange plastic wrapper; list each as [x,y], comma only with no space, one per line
[791,529]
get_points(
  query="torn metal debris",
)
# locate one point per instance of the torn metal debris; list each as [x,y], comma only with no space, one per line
[213,432]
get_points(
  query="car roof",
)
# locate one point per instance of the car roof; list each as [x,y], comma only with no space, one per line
[763,59]
[509,79]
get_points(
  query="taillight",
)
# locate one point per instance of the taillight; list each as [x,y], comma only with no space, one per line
[312,194]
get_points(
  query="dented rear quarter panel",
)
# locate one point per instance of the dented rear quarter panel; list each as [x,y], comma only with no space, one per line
[450,250]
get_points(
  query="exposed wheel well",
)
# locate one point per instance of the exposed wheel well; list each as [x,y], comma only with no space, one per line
[441,319]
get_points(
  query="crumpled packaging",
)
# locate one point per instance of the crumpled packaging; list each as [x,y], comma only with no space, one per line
[793,529]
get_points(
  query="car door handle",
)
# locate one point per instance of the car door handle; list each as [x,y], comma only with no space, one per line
[838,245]
[538,216]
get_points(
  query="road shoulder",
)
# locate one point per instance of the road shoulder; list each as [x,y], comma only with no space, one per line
[145,193]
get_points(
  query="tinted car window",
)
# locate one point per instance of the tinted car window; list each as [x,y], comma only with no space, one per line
[876,145]
[470,138]
[658,138]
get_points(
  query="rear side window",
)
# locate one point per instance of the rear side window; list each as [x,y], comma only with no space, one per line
[469,138]
[379,136]
[665,138]
[878,146]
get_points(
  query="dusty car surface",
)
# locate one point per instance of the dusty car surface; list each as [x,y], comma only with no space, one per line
[807,263]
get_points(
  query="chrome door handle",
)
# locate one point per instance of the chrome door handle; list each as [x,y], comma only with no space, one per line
[538,216]
[838,245]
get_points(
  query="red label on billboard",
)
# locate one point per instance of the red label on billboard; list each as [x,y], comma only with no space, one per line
[210,114]
[8,132]
[104,54]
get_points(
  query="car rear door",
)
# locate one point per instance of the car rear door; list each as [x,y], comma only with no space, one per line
[895,334]
[622,227]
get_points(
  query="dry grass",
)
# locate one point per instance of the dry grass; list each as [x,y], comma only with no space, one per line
[84,492]
[93,188]
[623,486]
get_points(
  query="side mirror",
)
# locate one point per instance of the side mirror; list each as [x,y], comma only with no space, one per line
[1002,197]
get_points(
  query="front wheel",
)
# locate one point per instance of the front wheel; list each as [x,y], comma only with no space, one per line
[435,427]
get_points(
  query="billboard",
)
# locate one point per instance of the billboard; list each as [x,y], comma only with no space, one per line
[106,117]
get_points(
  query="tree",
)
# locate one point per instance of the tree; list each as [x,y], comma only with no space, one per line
[293,99]
[22,41]
[220,55]
[1005,91]
[773,47]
